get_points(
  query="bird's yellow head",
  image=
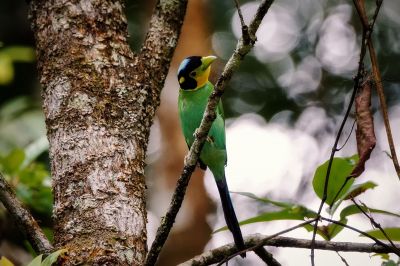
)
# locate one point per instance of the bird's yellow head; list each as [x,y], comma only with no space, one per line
[194,71]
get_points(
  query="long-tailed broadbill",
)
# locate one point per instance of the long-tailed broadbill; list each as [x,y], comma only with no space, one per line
[195,89]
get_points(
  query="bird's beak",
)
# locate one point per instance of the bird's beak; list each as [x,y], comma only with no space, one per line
[207,60]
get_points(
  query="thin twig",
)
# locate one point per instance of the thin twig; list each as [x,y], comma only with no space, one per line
[377,241]
[366,35]
[215,255]
[24,220]
[374,223]
[341,188]
[245,29]
[377,76]
[232,65]
[348,137]
[266,257]
[342,258]
[379,88]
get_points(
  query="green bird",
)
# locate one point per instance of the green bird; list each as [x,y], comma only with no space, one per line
[194,91]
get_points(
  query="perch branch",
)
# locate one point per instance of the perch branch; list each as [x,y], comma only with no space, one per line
[216,255]
[243,47]
[24,220]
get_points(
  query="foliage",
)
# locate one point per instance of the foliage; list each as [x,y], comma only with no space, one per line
[38,261]
[10,55]
[340,189]
[340,171]
[29,178]
[31,182]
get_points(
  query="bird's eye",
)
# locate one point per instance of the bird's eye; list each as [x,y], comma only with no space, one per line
[192,74]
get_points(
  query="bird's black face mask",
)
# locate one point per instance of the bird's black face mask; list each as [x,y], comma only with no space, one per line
[186,76]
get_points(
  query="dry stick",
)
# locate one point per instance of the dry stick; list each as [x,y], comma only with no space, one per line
[243,47]
[214,256]
[225,253]
[366,35]
[374,223]
[377,77]
[342,258]
[254,247]
[245,29]
[382,101]
[267,257]
[24,220]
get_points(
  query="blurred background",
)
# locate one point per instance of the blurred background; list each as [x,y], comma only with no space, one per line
[283,109]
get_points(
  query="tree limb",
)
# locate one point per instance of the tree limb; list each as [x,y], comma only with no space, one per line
[218,254]
[161,39]
[243,47]
[24,220]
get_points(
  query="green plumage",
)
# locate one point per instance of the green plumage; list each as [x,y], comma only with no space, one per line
[192,104]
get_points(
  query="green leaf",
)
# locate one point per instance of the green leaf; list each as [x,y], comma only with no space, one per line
[266,200]
[12,162]
[383,256]
[6,69]
[5,262]
[358,189]
[392,232]
[390,263]
[354,191]
[327,232]
[297,212]
[340,170]
[321,231]
[36,261]
[334,229]
[20,53]
[52,258]
[353,209]
[33,150]
[12,108]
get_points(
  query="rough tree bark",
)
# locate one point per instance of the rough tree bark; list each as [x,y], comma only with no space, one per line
[99,100]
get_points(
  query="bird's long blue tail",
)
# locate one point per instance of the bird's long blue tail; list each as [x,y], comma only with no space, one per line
[230,216]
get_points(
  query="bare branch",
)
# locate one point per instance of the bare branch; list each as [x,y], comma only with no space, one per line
[245,29]
[266,257]
[366,35]
[375,224]
[24,220]
[232,65]
[218,254]
[377,75]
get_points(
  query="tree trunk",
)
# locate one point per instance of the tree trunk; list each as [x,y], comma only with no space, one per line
[99,100]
